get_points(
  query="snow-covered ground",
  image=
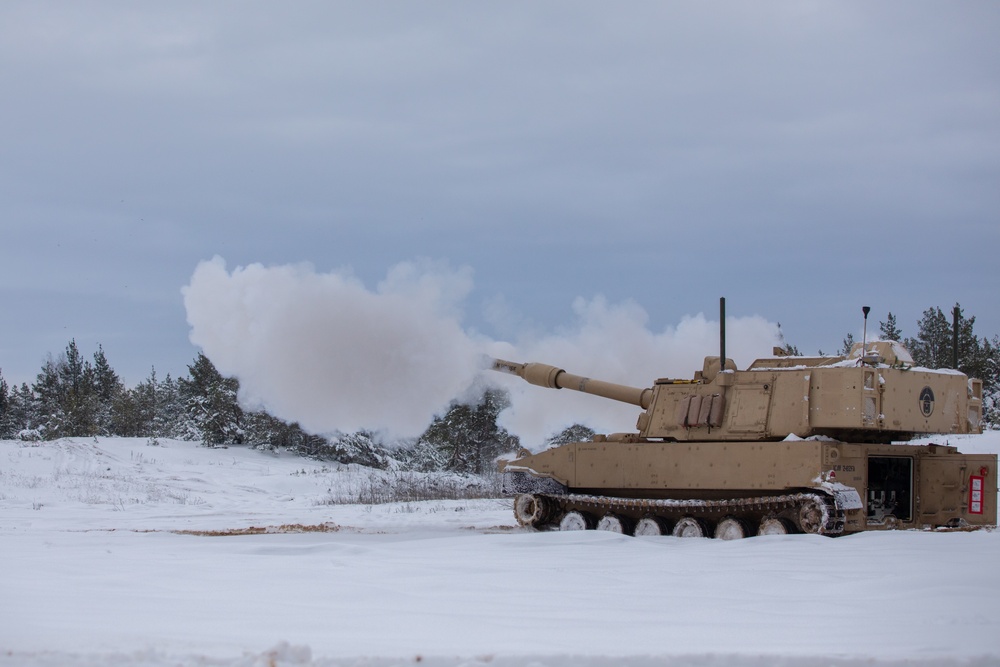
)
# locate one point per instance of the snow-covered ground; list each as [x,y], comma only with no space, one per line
[118,552]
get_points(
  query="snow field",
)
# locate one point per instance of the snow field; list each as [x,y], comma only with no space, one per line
[116,552]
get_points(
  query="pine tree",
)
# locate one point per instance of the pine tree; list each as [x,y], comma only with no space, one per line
[107,387]
[847,345]
[170,414]
[48,402]
[124,415]
[6,423]
[468,437]
[210,402]
[80,400]
[134,410]
[23,412]
[933,346]
[991,383]
[888,329]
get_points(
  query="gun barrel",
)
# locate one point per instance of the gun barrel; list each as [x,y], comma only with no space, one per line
[553,377]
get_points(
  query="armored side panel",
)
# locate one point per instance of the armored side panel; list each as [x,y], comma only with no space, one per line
[693,469]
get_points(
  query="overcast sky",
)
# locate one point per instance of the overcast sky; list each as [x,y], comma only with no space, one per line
[802,159]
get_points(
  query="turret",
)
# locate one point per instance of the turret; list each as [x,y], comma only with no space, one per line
[872,395]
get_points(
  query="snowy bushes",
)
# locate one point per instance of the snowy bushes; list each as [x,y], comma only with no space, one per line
[375,487]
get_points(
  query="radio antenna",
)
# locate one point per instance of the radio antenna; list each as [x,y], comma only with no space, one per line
[864,335]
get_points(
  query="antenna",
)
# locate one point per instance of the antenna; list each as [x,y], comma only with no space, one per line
[954,337]
[864,335]
[722,334]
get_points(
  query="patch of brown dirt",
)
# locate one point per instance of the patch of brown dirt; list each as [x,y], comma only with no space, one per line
[327,527]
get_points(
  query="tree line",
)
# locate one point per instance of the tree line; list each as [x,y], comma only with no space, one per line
[77,397]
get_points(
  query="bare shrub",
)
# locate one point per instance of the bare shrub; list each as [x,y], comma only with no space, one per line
[380,487]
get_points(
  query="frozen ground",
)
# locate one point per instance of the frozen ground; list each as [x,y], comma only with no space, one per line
[115,552]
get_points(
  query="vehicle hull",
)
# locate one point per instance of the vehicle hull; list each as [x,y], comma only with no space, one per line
[863,486]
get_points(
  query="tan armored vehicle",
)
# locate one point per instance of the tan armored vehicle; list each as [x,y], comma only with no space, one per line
[791,444]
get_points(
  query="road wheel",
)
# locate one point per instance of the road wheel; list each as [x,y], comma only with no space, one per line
[652,525]
[772,525]
[732,528]
[690,527]
[615,524]
[575,520]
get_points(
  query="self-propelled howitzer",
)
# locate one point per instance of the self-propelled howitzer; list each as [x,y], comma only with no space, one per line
[790,444]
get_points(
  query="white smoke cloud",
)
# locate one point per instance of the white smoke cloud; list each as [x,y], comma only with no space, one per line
[322,350]
[325,351]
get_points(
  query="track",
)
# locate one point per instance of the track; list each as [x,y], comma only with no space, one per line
[803,512]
